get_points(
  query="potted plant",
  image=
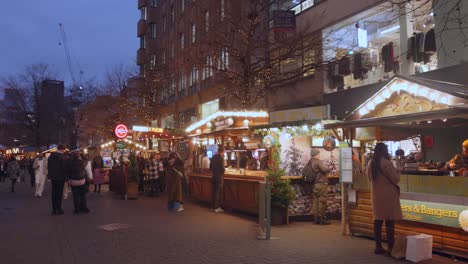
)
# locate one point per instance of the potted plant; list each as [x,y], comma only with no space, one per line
[132,178]
[281,196]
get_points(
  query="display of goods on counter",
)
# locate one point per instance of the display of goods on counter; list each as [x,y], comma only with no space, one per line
[302,205]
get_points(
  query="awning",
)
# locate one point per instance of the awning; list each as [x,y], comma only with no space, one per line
[408,120]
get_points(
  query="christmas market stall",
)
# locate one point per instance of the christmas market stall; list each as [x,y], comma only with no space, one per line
[293,133]
[424,123]
[242,149]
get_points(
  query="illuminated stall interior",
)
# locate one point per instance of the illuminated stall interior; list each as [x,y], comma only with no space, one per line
[424,123]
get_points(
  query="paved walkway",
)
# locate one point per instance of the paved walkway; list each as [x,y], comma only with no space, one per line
[150,234]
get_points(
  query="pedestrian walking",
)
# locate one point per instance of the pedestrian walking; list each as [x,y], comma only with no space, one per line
[56,168]
[77,182]
[161,173]
[24,170]
[217,169]
[31,172]
[174,174]
[13,170]
[316,172]
[386,206]
[98,175]
[89,171]
[40,172]
[3,169]
[153,175]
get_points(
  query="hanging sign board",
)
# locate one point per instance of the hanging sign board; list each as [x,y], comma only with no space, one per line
[346,165]
[121,131]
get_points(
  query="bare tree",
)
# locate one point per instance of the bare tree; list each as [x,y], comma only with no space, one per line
[116,79]
[26,87]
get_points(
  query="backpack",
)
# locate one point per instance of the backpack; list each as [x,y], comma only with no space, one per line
[309,173]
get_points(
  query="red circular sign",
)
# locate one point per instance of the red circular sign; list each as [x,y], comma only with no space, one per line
[121,131]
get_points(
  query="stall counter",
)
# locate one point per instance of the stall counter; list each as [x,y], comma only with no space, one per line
[416,190]
[240,191]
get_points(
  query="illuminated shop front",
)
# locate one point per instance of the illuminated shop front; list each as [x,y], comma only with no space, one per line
[378,43]
[424,123]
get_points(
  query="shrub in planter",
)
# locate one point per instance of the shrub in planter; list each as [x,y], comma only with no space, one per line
[281,196]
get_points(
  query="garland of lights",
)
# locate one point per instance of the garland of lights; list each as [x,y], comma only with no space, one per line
[225,114]
[305,130]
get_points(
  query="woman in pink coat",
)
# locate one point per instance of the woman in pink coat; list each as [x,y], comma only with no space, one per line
[385,196]
[98,176]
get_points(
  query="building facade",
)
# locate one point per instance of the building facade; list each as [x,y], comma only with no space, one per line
[369,42]
[184,54]
[188,57]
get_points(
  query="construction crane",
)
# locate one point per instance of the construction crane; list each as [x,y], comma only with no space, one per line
[64,41]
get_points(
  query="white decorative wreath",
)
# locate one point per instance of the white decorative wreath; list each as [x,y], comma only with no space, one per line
[463,219]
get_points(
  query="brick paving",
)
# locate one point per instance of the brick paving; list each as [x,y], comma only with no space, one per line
[151,234]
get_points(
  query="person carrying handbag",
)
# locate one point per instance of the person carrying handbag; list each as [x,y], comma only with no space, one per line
[77,181]
[386,206]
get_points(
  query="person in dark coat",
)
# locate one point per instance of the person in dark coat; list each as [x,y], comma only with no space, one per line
[77,182]
[56,168]
[175,173]
[13,171]
[386,206]
[217,168]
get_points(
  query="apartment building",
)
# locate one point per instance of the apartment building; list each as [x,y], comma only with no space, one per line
[180,57]
[356,49]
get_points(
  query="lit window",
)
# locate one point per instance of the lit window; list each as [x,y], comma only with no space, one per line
[194,33]
[221,10]
[153,3]
[207,21]
[142,42]
[223,63]
[172,14]
[143,13]
[194,76]
[152,63]
[152,30]
[208,69]
[182,82]
[182,41]
[172,87]
[182,5]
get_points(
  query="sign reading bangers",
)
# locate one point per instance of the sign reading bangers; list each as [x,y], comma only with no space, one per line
[432,213]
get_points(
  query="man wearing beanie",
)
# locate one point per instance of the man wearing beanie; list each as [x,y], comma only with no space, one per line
[320,190]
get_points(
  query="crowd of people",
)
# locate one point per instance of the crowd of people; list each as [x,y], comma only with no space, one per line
[159,174]
[66,170]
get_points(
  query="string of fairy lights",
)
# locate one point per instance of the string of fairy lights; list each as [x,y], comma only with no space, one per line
[128,141]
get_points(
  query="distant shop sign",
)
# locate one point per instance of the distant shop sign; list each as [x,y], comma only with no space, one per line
[147,129]
[284,19]
[121,131]
[13,151]
[120,145]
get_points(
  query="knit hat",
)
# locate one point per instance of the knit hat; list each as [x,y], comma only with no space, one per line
[465,144]
[314,152]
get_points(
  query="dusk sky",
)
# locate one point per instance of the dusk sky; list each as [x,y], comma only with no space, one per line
[101,33]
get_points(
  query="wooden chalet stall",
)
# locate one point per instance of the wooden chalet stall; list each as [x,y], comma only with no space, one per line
[229,130]
[428,120]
